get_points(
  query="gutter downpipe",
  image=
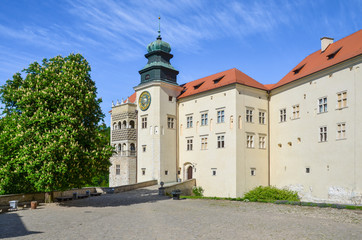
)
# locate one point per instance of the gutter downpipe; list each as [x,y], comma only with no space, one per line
[268,92]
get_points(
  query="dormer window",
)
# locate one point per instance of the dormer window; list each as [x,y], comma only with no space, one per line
[218,79]
[332,55]
[198,85]
[297,70]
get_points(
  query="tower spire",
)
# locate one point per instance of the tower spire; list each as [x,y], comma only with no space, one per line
[159,28]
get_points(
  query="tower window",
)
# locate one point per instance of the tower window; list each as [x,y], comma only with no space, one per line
[118,169]
[147,77]
[252,171]
[143,171]
[144,122]
[170,98]
[213,171]
[166,172]
[170,122]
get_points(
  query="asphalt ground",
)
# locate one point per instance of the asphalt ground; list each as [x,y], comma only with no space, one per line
[142,214]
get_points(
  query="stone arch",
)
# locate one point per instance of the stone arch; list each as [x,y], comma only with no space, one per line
[114,126]
[124,147]
[131,124]
[124,125]
[188,170]
[119,147]
[132,147]
[119,125]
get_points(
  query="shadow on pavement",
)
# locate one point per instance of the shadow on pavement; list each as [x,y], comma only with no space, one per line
[12,226]
[117,199]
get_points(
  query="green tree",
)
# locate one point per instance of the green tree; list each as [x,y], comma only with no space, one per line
[49,133]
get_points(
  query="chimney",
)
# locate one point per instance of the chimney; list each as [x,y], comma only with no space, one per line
[325,41]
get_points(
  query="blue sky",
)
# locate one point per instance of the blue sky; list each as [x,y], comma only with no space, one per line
[264,39]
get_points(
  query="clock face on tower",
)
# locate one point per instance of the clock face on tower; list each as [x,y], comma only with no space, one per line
[144,101]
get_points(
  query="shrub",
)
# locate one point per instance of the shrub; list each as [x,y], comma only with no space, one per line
[270,193]
[198,191]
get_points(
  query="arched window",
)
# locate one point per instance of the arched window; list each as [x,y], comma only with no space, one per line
[132,147]
[124,147]
[131,124]
[119,147]
[124,124]
[119,125]
[114,126]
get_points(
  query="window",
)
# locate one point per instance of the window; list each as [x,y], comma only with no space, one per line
[295,111]
[250,141]
[307,170]
[283,115]
[252,171]
[323,134]
[220,116]
[342,99]
[220,141]
[218,80]
[189,144]
[203,143]
[189,122]
[143,171]
[144,147]
[166,172]
[198,85]
[322,105]
[144,122]
[249,115]
[297,70]
[170,122]
[213,171]
[170,98]
[118,169]
[341,130]
[261,117]
[204,119]
[262,142]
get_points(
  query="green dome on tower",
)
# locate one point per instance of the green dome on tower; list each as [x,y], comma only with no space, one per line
[159,45]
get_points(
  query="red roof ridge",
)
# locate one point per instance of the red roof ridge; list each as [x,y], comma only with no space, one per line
[217,80]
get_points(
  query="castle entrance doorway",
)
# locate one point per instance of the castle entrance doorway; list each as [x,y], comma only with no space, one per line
[189,173]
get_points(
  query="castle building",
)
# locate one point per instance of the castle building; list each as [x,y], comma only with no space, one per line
[232,133]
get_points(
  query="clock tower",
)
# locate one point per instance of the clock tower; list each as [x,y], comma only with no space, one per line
[157,122]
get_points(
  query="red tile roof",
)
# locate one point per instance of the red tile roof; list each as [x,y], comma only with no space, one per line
[219,80]
[132,98]
[344,49]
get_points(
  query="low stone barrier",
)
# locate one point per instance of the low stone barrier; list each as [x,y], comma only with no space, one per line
[25,198]
[44,197]
[185,187]
[130,187]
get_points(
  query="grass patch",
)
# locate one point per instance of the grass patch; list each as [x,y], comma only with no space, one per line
[269,194]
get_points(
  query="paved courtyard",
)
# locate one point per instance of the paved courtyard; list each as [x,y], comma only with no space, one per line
[142,214]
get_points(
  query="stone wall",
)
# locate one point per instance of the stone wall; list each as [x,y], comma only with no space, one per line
[22,198]
[185,187]
[40,197]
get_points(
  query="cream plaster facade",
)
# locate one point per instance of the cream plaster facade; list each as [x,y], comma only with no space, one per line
[235,137]
[334,163]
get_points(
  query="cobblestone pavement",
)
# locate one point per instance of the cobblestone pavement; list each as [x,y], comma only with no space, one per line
[142,214]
